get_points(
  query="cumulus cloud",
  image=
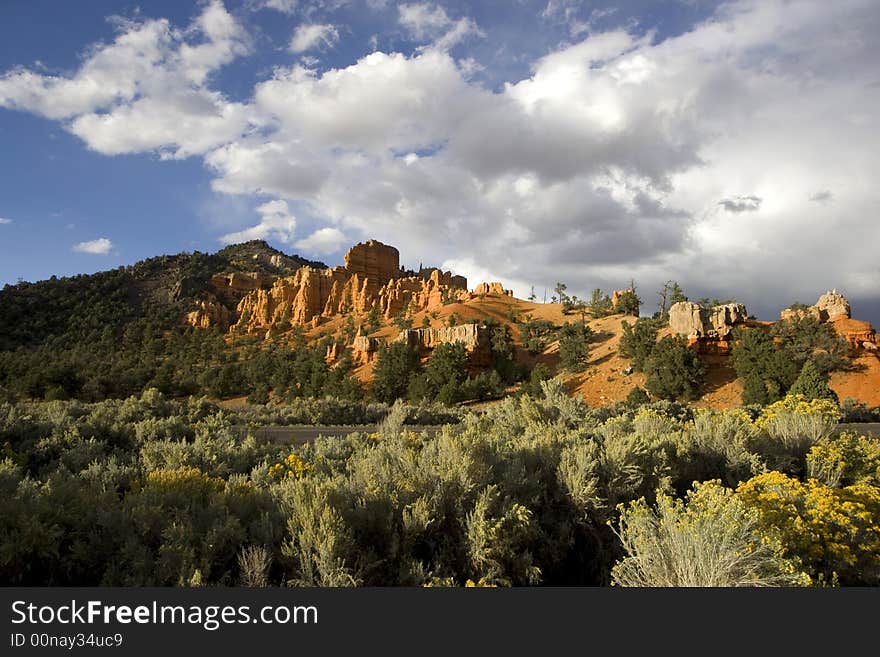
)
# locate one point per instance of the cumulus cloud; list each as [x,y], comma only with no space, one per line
[5,221]
[323,241]
[146,90]
[100,246]
[739,204]
[306,37]
[276,223]
[618,156]
[428,21]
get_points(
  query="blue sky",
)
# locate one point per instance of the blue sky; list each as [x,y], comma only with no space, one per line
[729,146]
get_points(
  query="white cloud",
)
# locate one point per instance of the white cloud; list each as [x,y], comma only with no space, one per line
[100,246]
[701,157]
[428,21]
[306,37]
[284,6]
[276,223]
[323,241]
[5,221]
[423,19]
[145,90]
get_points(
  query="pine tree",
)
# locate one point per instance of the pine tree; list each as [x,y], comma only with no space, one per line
[812,384]
[755,390]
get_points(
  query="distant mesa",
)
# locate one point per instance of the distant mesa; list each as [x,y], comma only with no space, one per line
[492,288]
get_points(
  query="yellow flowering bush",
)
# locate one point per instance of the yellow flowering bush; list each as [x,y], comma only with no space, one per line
[709,539]
[293,466]
[649,422]
[844,460]
[796,418]
[184,481]
[833,532]
[790,427]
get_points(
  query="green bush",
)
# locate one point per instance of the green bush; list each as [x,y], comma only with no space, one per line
[674,370]
[396,364]
[638,340]
[574,345]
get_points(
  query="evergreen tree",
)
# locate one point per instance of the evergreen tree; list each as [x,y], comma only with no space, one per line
[757,356]
[812,384]
[396,364]
[674,370]
[754,390]
[599,304]
[638,341]
[574,344]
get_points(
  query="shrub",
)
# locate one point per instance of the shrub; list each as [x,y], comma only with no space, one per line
[798,422]
[812,384]
[636,397]
[574,345]
[397,362]
[638,341]
[845,460]
[674,370]
[711,539]
[833,533]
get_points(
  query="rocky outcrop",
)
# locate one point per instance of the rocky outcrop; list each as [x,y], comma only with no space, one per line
[494,287]
[224,293]
[210,312]
[364,349]
[858,334]
[477,340]
[374,262]
[370,278]
[831,306]
[695,321]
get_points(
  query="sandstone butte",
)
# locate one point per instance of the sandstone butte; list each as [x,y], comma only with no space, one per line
[371,277]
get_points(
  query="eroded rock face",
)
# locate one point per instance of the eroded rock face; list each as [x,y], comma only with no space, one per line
[831,306]
[858,334]
[477,340]
[376,262]
[365,349]
[692,320]
[210,313]
[371,277]
[494,287]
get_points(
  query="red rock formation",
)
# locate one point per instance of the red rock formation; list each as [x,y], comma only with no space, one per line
[364,349]
[858,334]
[830,307]
[374,261]
[371,277]
[210,312]
[476,339]
[492,288]
[695,321]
